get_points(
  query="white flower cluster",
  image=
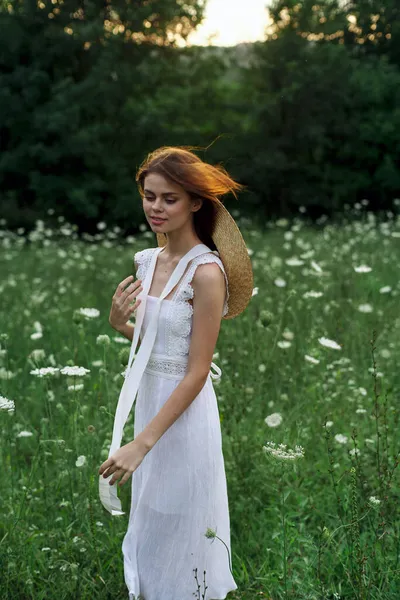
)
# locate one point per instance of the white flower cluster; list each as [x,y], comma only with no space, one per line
[273,420]
[374,501]
[80,461]
[281,451]
[89,313]
[329,343]
[43,371]
[6,404]
[75,371]
[103,340]
[363,269]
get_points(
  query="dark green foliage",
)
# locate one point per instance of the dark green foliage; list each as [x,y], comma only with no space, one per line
[308,118]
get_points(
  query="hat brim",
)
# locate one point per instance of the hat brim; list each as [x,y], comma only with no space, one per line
[233,253]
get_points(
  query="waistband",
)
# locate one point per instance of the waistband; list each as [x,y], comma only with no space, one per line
[173,367]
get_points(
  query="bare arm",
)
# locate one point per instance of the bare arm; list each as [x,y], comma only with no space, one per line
[209,295]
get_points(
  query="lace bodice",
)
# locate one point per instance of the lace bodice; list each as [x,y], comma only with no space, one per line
[176,326]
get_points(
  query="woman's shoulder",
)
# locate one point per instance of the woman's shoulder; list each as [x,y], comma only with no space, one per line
[142,255]
[209,257]
[142,260]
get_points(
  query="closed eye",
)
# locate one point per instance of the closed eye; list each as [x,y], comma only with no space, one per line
[170,201]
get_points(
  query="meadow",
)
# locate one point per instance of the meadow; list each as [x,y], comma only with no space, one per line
[308,402]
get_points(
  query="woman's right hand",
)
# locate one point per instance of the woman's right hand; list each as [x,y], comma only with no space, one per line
[120,309]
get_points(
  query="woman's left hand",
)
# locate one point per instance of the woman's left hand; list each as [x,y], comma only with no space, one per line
[123,462]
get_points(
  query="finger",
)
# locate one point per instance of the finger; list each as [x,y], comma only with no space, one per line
[132,290]
[133,297]
[111,469]
[125,478]
[121,286]
[134,306]
[107,463]
[116,476]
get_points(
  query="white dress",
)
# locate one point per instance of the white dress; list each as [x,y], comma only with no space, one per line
[179,490]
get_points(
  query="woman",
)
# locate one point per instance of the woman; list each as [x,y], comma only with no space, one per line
[199,273]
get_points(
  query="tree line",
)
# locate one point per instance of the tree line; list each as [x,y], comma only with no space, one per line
[309,117]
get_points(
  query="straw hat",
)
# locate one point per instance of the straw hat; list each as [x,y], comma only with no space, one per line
[233,253]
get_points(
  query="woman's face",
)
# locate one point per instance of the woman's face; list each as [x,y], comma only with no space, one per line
[166,200]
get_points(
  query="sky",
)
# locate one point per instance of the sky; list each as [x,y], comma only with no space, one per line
[233,22]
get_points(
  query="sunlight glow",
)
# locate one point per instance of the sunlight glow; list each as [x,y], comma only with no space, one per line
[227,23]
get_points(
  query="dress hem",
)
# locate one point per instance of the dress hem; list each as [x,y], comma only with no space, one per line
[133,597]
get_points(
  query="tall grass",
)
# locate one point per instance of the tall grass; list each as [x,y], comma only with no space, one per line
[313,361]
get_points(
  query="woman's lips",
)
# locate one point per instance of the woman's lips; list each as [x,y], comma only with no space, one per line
[157,221]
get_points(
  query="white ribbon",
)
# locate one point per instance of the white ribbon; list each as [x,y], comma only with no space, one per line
[135,369]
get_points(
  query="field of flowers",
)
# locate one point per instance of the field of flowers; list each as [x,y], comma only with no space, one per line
[308,402]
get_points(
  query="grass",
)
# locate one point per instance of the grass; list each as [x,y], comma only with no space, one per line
[323,526]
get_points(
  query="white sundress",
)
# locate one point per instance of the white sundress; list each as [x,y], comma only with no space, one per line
[179,490]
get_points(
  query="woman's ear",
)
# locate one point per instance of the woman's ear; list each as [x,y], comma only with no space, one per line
[197,203]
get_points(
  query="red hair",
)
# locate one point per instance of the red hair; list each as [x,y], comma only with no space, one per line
[198,178]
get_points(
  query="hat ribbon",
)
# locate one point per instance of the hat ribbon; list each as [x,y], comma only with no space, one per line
[108,493]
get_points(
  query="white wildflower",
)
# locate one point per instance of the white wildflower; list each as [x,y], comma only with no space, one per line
[37,354]
[262,368]
[342,439]
[385,290]
[365,308]
[74,371]
[361,411]
[316,267]
[283,344]
[312,294]
[311,359]
[354,452]
[24,434]
[75,387]
[329,424]
[43,371]
[4,374]
[362,269]
[6,404]
[294,262]
[37,335]
[89,313]
[282,452]
[37,326]
[103,340]
[80,461]
[287,334]
[329,343]
[254,292]
[273,420]
[374,501]
[279,282]
[121,340]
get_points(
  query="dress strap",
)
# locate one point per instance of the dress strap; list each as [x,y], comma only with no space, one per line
[185,289]
[108,494]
